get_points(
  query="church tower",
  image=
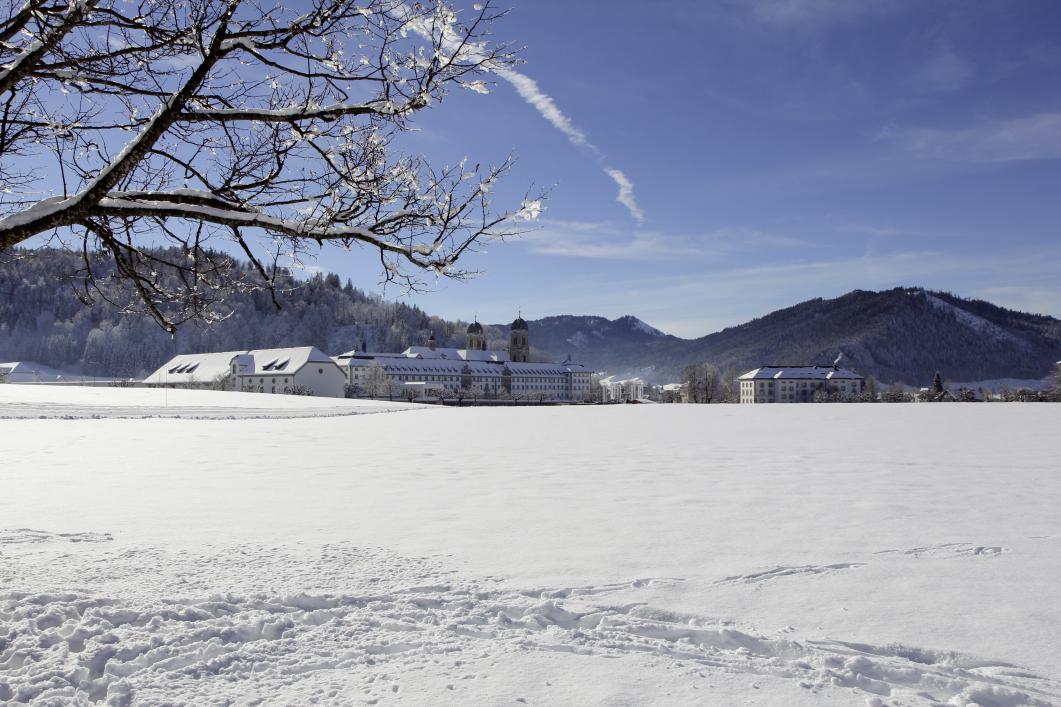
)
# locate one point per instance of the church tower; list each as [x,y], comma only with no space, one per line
[476,339]
[519,341]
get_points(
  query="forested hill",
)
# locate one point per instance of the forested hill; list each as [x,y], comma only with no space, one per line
[41,320]
[899,335]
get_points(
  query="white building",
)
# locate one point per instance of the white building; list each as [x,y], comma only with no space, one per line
[472,372]
[304,369]
[621,391]
[797,384]
[29,372]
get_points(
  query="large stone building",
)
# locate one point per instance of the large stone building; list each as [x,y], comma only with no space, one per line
[306,370]
[472,372]
[797,384]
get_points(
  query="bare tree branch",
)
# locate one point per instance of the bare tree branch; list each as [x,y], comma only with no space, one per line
[174,123]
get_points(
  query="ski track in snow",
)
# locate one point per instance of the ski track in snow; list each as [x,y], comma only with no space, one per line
[19,536]
[778,572]
[943,550]
[344,625]
[950,550]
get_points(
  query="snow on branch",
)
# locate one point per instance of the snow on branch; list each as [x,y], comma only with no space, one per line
[191,122]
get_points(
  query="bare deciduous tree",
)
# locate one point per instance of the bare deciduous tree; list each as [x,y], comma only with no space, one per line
[130,125]
[375,382]
[705,383]
[1054,384]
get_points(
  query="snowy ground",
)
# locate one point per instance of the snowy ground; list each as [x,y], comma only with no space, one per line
[73,402]
[830,554]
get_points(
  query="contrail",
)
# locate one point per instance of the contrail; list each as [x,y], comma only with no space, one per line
[545,105]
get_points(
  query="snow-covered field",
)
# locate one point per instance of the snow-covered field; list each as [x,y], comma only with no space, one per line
[72,402]
[665,554]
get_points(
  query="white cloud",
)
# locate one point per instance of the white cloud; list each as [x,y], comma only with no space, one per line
[605,241]
[1035,137]
[610,241]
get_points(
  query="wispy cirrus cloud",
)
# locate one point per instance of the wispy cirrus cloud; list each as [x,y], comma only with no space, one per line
[529,91]
[804,16]
[945,71]
[610,241]
[867,229]
[1034,137]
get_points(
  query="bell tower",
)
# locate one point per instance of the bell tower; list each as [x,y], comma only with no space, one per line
[519,341]
[476,338]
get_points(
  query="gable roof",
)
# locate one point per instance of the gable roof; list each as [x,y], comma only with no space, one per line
[207,367]
[459,354]
[193,368]
[266,361]
[800,373]
[30,372]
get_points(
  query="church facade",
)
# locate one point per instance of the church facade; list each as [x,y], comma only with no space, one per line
[473,372]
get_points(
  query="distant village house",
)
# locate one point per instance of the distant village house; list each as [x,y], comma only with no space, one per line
[622,391]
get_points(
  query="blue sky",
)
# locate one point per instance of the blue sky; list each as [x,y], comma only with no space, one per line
[774,151]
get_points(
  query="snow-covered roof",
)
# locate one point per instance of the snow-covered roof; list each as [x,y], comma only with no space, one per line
[207,367]
[461,354]
[547,369]
[672,386]
[266,361]
[29,372]
[193,368]
[426,352]
[800,373]
[611,379]
[400,364]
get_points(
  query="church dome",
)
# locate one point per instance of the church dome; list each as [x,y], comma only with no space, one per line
[475,328]
[519,324]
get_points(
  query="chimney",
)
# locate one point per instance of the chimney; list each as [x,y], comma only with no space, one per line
[431,341]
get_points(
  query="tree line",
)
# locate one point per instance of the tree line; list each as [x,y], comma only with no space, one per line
[42,320]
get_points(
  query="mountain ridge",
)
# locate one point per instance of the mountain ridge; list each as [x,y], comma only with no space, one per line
[897,335]
[901,335]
